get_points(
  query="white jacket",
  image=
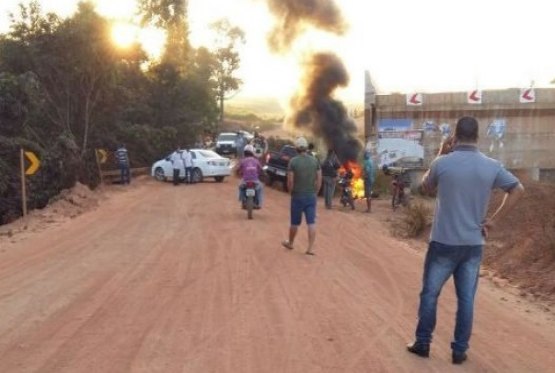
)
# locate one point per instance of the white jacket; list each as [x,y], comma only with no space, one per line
[177,160]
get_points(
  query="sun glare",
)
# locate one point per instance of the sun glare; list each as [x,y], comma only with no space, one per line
[124,34]
[152,40]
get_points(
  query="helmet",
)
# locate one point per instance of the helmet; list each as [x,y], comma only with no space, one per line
[301,143]
[249,148]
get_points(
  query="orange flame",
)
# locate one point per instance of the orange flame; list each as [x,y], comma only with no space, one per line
[357,183]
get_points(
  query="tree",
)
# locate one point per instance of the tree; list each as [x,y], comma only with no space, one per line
[74,61]
[170,15]
[227,60]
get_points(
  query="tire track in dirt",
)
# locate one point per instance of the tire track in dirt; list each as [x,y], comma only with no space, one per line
[189,284]
[396,300]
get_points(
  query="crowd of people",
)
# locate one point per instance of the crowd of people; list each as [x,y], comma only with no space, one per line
[462,179]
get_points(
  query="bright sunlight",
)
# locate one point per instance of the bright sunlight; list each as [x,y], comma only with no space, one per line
[124,34]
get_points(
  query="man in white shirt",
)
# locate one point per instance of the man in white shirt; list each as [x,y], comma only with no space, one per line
[177,163]
[188,161]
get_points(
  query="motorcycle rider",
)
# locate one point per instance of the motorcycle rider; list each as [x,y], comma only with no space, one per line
[260,145]
[249,169]
[345,182]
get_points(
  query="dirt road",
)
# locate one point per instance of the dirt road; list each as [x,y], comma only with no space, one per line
[175,279]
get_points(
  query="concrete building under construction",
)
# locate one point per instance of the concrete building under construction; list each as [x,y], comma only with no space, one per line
[517,126]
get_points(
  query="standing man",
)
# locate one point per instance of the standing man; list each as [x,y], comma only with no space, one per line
[304,179]
[329,172]
[177,163]
[463,178]
[369,177]
[188,163]
[122,158]
[240,143]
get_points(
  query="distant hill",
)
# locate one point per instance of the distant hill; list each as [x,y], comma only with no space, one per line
[261,106]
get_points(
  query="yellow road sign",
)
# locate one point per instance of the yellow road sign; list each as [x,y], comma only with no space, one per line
[102,155]
[35,163]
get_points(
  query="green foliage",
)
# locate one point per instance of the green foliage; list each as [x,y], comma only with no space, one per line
[65,90]
[170,15]
[228,39]
[59,164]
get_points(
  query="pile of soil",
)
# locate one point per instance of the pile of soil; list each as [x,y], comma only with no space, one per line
[69,204]
[522,247]
[520,251]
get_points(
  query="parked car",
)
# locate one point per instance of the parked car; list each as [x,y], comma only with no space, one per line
[225,142]
[206,163]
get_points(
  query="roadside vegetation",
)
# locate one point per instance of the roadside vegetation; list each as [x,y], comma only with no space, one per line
[66,89]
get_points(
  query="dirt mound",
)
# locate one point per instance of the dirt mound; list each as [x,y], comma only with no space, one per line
[74,201]
[522,247]
[520,252]
[69,204]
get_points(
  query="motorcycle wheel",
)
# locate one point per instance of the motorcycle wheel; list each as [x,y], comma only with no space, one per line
[250,206]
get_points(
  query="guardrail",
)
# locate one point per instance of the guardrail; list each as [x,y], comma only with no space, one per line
[113,176]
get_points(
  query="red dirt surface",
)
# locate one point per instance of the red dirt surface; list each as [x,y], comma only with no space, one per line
[522,248]
[158,278]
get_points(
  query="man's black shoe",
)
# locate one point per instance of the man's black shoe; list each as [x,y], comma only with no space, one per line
[458,357]
[419,349]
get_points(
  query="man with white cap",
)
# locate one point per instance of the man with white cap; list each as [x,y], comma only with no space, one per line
[304,179]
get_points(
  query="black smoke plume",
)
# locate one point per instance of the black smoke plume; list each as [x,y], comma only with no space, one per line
[313,107]
[293,16]
[316,110]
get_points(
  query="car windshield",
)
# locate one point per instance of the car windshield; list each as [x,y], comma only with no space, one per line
[229,137]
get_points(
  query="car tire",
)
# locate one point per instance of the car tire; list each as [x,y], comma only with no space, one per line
[197,175]
[219,179]
[159,174]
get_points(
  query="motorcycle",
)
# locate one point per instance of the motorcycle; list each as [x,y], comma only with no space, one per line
[249,197]
[400,182]
[347,190]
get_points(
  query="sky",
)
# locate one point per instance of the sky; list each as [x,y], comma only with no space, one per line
[407,46]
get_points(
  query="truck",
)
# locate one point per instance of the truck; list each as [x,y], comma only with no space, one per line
[226,142]
[276,165]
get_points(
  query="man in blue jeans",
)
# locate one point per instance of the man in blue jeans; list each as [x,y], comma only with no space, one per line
[463,178]
[304,179]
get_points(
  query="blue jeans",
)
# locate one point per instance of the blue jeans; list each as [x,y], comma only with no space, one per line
[442,261]
[189,175]
[125,177]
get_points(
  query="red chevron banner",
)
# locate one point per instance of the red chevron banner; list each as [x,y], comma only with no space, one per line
[414,99]
[527,95]
[474,97]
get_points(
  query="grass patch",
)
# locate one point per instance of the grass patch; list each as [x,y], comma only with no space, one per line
[415,220]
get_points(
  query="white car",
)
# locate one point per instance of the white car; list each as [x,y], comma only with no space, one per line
[206,163]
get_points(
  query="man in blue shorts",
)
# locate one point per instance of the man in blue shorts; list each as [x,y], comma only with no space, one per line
[304,179]
[463,178]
